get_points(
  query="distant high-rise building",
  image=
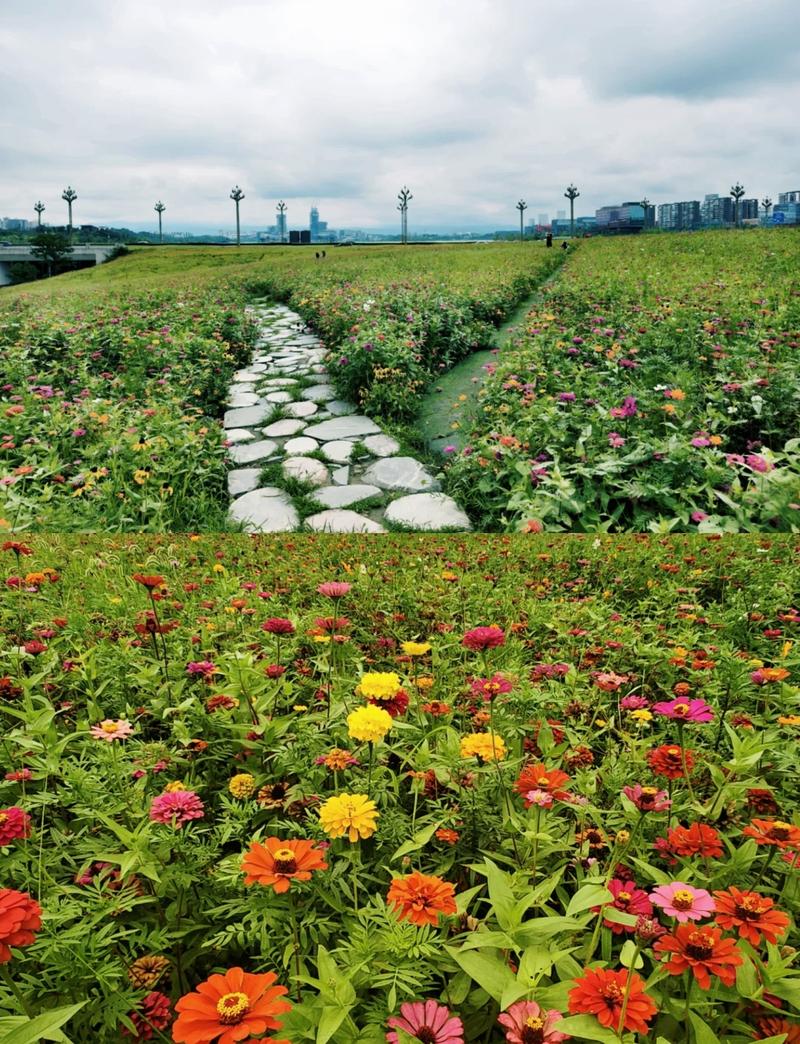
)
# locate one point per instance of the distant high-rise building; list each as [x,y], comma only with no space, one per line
[543,219]
[14,224]
[680,217]
[625,217]
[313,224]
[789,197]
[561,214]
[748,209]
[280,225]
[716,210]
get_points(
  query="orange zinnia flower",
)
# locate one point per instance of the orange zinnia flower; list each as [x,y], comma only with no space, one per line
[667,760]
[751,914]
[420,899]
[150,581]
[20,919]
[774,1025]
[698,839]
[773,832]
[537,777]
[703,951]
[602,993]
[275,863]
[226,1008]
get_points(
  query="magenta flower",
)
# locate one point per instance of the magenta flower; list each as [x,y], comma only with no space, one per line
[176,807]
[203,667]
[334,588]
[526,1021]
[685,710]
[110,730]
[634,702]
[481,638]
[15,823]
[647,799]
[278,625]
[683,902]
[488,688]
[428,1022]
[628,899]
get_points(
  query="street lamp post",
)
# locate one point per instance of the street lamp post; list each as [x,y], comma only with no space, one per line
[571,194]
[39,207]
[160,208]
[404,195]
[522,206]
[737,191]
[282,221]
[237,196]
[69,195]
[766,203]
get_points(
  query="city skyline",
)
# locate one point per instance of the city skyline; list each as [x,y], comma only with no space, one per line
[339,108]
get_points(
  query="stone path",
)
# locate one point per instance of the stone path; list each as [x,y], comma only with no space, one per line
[284,416]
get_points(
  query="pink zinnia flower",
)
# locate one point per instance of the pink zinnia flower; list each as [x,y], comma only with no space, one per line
[278,625]
[608,681]
[428,1022]
[14,824]
[176,808]
[110,729]
[647,799]
[634,702]
[488,688]
[685,710]
[204,667]
[629,899]
[481,638]
[334,589]
[525,1018]
[683,902]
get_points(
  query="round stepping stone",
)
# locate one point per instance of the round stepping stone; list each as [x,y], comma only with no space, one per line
[246,417]
[239,399]
[250,452]
[342,522]
[278,396]
[427,511]
[242,480]
[380,445]
[236,435]
[340,408]
[344,496]
[300,409]
[300,446]
[280,429]
[400,473]
[306,469]
[318,393]
[342,428]
[265,510]
[338,452]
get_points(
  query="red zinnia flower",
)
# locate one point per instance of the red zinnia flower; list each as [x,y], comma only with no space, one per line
[150,582]
[14,824]
[278,625]
[153,1014]
[602,993]
[697,839]
[751,914]
[20,918]
[481,638]
[629,899]
[668,761]
[773,1026]
[703,951]
[420,898]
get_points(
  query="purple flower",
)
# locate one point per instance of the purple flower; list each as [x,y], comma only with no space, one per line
[566,396]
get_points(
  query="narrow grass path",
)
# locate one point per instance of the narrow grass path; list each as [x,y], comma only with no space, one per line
[449,408]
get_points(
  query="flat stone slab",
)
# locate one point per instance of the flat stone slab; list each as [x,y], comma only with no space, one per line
[247,376]
[338,452]
[278,396]
[319,393]
[279,382]
[239,399]
[300,409]
[249,452]
[242,480]
[280,429]
[236,435]
[300,446]
[344,496]
[427,511]
[381,445]
[400,473]
[265,510]
[341,476]
[247,417]
[342,522]
[340,408]
[306,469]
[343,428]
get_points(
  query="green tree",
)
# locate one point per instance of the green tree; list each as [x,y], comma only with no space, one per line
[51,247]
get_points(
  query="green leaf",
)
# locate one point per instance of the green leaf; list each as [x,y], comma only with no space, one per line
[587,1027]
[703,1033]
[628,953]
[44,1026]
[501,895]
[418,840]
[588,896]
[491,973]
[329,1022]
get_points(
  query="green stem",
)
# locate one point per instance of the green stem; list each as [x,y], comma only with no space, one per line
[683,762]
[6,976]
[626,998]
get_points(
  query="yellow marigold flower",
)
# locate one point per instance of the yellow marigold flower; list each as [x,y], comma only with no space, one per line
[415,648]
[369,724]
[242,785]
[425,682]
[789,719]
[484,745]
[350,814]
[338,760]
[378,685]
[176,784]
[641,716]
[218,568]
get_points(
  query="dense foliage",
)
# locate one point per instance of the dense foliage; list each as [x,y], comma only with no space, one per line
[655,387]
[575,767]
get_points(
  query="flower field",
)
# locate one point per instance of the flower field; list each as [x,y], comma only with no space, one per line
[113,380]
[655,387]
[512,789]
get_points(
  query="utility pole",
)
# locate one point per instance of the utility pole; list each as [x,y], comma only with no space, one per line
[522,206]
[404,195]
[160,208]
[237,195]
[39,207]
[737,192]
[645,204]
[282,221]
[571,194]
[766,203]
[69,195]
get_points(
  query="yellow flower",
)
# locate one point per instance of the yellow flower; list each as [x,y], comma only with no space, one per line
[378,686]
[415,648]
[176,784]
[242,785]
[425,682]
[642,716]
[322,639]
[484,745]
[789,719]
[369,724]
[350,814]
[140,477]
[218,568]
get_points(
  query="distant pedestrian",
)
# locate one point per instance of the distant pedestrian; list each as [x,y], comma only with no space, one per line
[316,254]
[323,253]
[548,240]
[564,245]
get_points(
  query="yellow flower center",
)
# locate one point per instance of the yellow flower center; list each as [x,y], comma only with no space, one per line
[680,710]
[534,1022]
[232,1008]
[109,726]
[544,781]
[285,861]
[682,899]
[624,897]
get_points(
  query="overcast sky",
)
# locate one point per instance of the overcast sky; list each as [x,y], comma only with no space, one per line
[472,103]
